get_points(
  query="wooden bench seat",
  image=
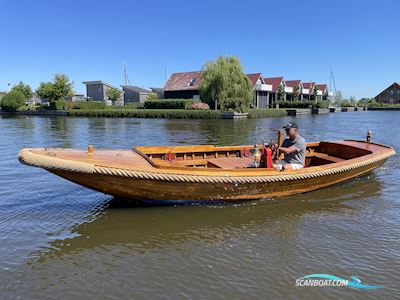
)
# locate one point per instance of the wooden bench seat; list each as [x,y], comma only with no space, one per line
[180,163]
[237,162]
[223,163]
[327,157]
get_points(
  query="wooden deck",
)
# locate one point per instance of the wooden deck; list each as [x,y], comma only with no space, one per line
[230,163]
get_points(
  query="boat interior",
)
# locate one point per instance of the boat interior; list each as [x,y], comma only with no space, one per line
[238,157]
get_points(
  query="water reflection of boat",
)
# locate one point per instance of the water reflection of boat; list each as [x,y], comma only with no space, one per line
[205,173]
[146,229]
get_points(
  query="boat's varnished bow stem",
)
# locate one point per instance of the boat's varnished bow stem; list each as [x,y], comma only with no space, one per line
[27,157]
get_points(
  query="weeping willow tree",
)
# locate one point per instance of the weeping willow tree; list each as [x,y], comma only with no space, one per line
[224,82]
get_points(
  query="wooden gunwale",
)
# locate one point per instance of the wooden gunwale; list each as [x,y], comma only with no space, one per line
[129,160]
[126,173]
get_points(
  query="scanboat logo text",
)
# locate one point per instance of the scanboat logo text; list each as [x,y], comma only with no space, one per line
[330,280]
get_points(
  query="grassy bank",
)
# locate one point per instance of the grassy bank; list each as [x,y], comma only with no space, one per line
[169,113]
[146,113]
[394,107]
[382,106]
[267,113]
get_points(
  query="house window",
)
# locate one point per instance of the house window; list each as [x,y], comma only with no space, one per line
[191,82]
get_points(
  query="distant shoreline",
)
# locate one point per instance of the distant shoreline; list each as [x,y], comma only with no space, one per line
[34,113]
[384,108]
[177,114]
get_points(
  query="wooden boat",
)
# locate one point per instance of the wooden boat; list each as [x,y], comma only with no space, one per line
[205,173]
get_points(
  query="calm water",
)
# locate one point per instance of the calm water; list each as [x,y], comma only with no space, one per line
[60,240]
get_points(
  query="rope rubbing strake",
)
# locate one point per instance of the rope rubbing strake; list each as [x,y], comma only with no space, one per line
[53,163]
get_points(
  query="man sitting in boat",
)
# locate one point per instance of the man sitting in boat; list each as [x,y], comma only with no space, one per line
[293,148]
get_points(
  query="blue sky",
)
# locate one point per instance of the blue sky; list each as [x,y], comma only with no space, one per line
[89,40]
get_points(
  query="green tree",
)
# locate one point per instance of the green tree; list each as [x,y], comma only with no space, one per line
[345,103]
[365,101]
[45,90]
[315,92]
[152,96]
[57,90]
[12,101]
[338,98]
[25,89]
[113,94]
[224,81]
[353,101]
[62,86]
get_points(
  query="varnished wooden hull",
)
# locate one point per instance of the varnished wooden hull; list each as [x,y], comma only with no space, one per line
[147,182]
[140,189]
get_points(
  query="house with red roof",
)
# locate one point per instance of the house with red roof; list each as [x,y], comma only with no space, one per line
[279,90]
[308,88]
[295,92]
[261,90]
[322,91]
[267,91]
[315,92]
[391,95]
[184,85]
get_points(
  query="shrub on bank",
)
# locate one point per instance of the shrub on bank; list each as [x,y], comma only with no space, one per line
[168,103]
[134,105]
[131,105]
[12,101]
[266,113]
[57,105]
[304,104]
[322,104]
[85,105]
[296,104]
[346,103]
[29,107]
[238,104]
[143,113]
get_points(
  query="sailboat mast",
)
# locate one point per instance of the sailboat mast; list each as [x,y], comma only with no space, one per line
[332,83]
[166,72]
[126,78]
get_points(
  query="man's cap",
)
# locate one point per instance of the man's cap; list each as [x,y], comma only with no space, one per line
[291,125]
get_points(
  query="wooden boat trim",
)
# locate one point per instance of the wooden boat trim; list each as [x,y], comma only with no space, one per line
[26,156]
[145,157]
